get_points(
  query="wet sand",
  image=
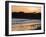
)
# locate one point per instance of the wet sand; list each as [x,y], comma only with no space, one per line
[30,25]
[22,27]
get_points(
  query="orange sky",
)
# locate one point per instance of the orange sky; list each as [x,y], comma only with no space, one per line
[25,9]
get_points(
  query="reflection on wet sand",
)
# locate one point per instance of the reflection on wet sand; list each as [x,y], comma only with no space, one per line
[25,24]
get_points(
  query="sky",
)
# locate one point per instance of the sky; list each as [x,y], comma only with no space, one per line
[26,9]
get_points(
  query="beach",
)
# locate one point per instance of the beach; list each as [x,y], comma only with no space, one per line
[25,24]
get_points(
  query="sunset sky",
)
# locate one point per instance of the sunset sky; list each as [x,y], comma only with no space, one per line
[26,9]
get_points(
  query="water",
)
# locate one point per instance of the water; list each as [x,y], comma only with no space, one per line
[21,21]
